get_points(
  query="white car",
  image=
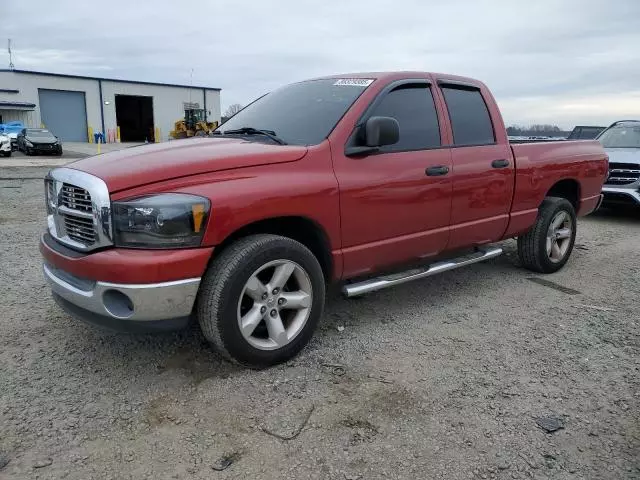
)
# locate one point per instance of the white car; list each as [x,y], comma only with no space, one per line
[5,145]
[13,136]
[621,141]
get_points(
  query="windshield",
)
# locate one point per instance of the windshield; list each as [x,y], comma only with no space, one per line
[624,135]
[302,113]
[40,134]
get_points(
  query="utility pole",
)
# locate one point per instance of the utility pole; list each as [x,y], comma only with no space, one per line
[11,66]
[190,87]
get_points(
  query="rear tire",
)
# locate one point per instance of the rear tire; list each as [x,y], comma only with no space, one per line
[548,245]
[251,314]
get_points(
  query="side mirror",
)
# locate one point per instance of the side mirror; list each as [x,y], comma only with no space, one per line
[379,131]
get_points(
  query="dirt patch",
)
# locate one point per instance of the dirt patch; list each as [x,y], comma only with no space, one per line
[363,430]
[199,364]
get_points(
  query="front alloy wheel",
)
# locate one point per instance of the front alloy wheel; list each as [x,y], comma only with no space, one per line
[261,299]
[275,304]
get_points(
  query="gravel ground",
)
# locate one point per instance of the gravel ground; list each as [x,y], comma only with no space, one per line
[447,378]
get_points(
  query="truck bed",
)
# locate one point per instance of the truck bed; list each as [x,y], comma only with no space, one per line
[535,140]
[556,151]
[541,165]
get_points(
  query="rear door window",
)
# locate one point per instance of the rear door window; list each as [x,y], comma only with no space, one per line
[470,119]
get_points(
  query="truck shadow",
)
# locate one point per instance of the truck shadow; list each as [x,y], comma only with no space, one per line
[188,353]
[151,355]
[421,297]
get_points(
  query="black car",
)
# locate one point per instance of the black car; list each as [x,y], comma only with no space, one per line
[585,132]
[38,140]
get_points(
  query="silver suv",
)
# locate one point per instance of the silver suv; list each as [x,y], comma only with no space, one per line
[621,140]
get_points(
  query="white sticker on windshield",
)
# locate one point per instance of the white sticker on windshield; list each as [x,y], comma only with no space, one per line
[355,82]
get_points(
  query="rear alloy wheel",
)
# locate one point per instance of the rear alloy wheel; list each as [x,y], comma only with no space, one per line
[261,299]
[547,246]
[559,236]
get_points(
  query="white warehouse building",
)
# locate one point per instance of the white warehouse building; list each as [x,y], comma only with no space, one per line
[73,106]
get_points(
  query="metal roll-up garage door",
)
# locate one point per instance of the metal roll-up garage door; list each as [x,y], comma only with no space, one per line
[64,112]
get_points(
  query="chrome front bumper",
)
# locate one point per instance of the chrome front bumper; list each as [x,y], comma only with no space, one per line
[628,194]
[103,302]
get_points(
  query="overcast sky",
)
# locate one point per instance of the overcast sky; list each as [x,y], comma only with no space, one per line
[547,61]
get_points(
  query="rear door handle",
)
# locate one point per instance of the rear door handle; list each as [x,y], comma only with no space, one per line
[437,171]
[502,163]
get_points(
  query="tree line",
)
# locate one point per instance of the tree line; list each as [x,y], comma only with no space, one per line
[536,130]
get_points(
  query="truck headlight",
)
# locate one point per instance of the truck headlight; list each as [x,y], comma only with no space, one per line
[167,220]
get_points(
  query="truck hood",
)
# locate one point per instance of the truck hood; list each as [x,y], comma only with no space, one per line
[623,155]
[135,166]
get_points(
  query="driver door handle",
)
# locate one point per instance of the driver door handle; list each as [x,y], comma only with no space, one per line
[502,163]
[436,171]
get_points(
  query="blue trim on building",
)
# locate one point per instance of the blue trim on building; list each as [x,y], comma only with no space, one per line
[101,107]
[18,104]
[204,101]
[83,77]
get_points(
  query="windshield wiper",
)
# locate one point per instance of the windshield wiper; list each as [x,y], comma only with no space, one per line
[254,131]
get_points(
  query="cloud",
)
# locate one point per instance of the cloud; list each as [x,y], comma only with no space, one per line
[74,61]
[573,109]
[542,59]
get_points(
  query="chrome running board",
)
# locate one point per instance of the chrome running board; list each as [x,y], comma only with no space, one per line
[378,283]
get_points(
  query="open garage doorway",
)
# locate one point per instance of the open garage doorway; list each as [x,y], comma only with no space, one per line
[134,115]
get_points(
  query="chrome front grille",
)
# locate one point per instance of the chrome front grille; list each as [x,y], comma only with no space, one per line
[79,209]
[623,173]
[79,229]
[76,198]
[77,214]
[51,192]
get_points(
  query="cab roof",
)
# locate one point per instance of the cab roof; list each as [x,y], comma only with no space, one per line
[401,75]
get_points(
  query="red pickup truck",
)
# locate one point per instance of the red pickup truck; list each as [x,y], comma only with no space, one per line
[369,180]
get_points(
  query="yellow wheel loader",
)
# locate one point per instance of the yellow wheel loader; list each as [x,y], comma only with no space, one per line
[193,124]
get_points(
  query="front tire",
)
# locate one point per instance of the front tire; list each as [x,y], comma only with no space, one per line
[548,245]
[261,300]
